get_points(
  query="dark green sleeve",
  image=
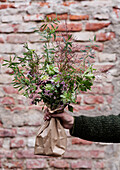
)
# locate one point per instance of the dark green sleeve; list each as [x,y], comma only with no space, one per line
[97,129]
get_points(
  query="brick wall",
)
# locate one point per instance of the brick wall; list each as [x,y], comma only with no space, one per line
[19,120]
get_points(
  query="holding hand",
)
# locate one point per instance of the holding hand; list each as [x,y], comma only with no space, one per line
[66,120]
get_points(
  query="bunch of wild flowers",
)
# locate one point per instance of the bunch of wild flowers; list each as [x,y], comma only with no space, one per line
[55,77]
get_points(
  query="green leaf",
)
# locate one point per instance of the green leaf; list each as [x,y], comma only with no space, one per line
[70,108]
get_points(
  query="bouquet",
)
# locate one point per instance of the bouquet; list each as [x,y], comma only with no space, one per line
[56,75]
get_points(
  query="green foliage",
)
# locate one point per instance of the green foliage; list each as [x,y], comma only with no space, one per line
[52,78]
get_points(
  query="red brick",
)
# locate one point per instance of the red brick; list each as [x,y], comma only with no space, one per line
[34,164]
[103,68]
[96,26]
[79,141]
[70,27]
[78,17]
[59,16]
[93,99]
[8,101]
[59,164]
[17,142]
[7,132]
[77,108]
[81,164]
[4,6]
[117,12]
[1,40]
[105,36]
[3,0]
[10,90]
[20,39]
[13,164]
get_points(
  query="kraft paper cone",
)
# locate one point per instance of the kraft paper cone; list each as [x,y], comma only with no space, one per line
[51,139]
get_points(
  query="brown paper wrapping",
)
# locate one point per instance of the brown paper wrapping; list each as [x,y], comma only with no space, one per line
[51,139]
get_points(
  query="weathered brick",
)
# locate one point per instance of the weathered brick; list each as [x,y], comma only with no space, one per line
[16,38]
[77,47]
[59,164]
[78,100]
[109,99]
[81,164]
[72,154]
[35,17]
[26,131]
[96,26]
[23,153]
[59,16]
[104,57]
[101,16]
[77,108]
[68,3]
[1,39]
[103,68]
[83,36]
[34,164]
[11,48]
[1,142]
[108,89]
[12,18]
[6,154]
[78,17]
[95,90]
[42,4]
[17,143]
[78,141]
[6,28]
[105,36]
[13,164]
[10,90]
[100,165]
[7,101]
[7,132]
[93,99]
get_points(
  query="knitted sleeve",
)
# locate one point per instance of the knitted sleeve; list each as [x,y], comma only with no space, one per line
[97,129]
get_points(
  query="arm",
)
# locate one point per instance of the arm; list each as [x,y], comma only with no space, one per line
[97,129]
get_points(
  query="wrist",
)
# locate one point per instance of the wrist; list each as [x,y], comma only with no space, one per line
[71,122]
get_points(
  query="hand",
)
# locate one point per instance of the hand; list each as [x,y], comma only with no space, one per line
[66,120]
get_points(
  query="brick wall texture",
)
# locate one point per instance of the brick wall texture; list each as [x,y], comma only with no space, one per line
[19,121]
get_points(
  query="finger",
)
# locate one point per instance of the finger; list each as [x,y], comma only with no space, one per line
[59,115]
